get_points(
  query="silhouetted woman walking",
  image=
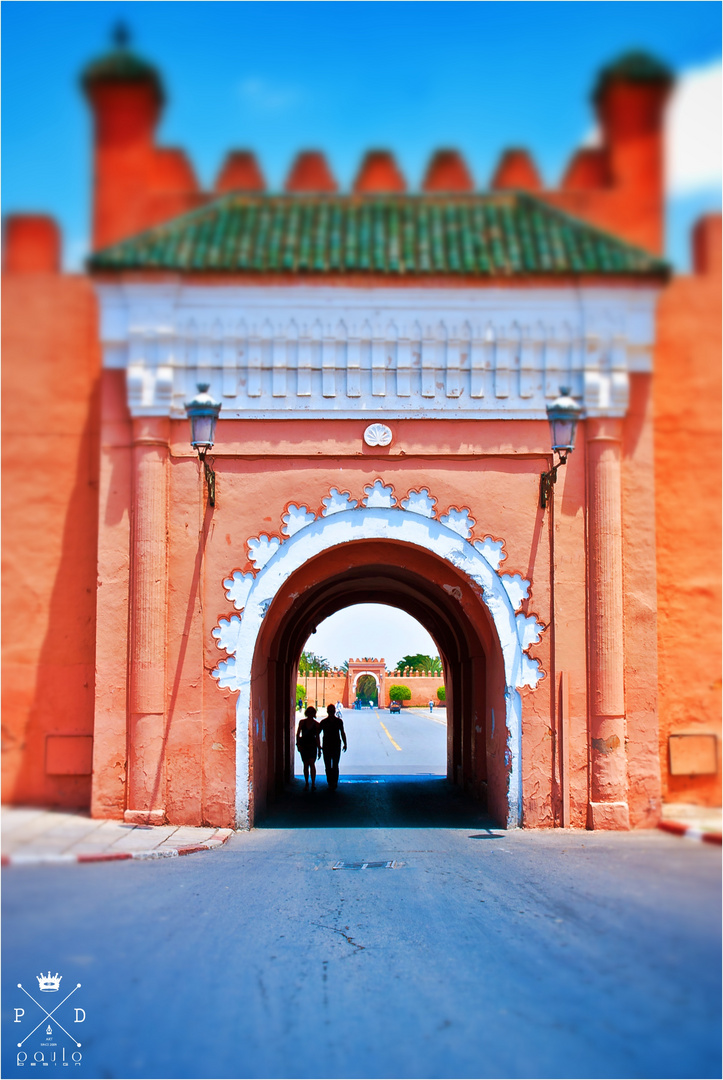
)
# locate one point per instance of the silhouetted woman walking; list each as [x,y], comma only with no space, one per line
[308,744]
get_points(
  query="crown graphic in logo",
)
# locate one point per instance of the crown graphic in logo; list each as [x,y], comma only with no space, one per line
[49,982]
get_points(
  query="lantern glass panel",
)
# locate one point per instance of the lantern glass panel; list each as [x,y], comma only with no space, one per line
[202,430]
[563,433]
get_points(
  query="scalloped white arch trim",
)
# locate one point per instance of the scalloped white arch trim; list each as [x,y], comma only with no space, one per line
[365,523]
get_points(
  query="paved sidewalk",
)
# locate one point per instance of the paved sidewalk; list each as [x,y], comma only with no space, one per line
[440,715]
[31,835]
[693,822]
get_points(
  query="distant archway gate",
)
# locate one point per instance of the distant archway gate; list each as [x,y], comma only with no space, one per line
[405,559]
[361,674]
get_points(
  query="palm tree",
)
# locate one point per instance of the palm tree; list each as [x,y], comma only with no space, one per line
[309,662]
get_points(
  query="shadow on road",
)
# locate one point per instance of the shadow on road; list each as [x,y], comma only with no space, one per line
[389,802]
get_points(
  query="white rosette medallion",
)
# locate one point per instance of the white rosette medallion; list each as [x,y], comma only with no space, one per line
[378,435]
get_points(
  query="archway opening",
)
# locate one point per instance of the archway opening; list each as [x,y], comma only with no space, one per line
[448,606]
[382,671]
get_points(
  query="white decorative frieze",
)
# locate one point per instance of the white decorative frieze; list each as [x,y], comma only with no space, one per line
[318,351]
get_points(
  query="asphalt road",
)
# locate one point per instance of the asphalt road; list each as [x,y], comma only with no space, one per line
[391,744]
[479,954]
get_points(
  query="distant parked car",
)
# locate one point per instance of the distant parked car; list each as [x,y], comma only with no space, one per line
[395,706]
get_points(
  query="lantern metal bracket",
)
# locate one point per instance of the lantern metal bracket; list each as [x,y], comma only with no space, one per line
[548,480]
[210,476]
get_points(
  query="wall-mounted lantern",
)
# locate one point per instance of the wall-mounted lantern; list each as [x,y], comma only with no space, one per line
[563,416]
[203,412]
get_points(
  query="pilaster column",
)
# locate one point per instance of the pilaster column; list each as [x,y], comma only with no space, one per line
[608,806]
[146,789]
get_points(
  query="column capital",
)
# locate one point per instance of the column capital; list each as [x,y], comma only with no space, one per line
[151,431]
[603,429]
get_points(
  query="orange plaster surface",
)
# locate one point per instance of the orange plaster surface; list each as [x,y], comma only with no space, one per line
[688,514]
[253,491]
[253,494]
[50,416]
[66,641]
[492,468]
[639,607]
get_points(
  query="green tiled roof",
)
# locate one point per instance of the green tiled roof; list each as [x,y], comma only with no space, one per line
[500,235]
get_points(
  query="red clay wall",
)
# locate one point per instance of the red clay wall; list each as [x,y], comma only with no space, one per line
[335,688]
[50,418]
[688,515]
[324,691]
[424,688]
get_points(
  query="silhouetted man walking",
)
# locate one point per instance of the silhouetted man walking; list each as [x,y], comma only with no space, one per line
[332,730]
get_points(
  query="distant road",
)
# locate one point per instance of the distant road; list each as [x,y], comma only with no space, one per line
[392,744]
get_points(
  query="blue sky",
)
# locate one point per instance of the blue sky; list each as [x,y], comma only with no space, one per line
[343,77]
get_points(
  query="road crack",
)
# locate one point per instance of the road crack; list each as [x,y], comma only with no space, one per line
[349,940]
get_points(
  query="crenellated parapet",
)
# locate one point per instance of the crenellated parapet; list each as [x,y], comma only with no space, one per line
[617,185]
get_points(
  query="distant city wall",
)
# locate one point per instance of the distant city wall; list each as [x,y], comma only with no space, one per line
[334,686]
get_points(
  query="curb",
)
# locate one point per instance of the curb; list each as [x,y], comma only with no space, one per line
[690,833]
[113,856]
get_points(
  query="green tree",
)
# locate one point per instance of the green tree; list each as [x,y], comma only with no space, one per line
[300,693]
[309,662]
[400,692]
[421,662]
[442,693]
[366,688]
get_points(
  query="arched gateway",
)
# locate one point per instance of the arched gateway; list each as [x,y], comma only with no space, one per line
[381,437]
[449,583]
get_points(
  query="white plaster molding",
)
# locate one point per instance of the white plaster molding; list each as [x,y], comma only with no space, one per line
[459,521]
[261,549]
[227,633]
[341,520]
[337,501]
[516,588]
[320,351]
[378,495]
[237,588]
[492,550]
[295,518]
[420,502]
